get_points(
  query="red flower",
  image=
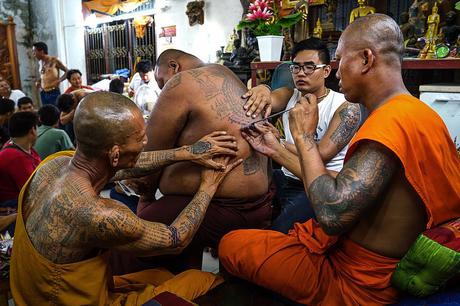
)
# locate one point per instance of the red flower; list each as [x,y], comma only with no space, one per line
[259,5]
[260,14]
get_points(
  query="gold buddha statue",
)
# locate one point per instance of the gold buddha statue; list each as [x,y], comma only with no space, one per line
[431,34]
[318,30]
[230,45]
[362,10]
[301,28]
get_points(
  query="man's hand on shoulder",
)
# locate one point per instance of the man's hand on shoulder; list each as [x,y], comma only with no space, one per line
[211,145]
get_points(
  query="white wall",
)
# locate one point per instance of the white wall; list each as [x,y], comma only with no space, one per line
[69,26]
[221,16]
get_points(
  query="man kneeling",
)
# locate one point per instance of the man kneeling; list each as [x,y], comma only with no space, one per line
[64,226]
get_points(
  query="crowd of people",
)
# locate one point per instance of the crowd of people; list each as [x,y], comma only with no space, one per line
[351,197]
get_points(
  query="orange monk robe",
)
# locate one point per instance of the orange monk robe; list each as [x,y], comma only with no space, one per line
[37,281]
[312,268]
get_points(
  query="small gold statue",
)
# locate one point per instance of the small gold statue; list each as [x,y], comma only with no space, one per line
[318,30]
[331,8]
[301,28]
[431,34]
[230,45]
[362,10]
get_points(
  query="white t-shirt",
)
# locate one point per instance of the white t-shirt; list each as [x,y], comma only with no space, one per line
[326,110]
[15,95]
[145,94]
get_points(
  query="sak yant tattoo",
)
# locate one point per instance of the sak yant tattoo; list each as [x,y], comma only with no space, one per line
[350,117]
[338,203]
[251,165]
[200,147]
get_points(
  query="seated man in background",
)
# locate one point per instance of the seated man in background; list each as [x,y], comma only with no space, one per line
[6,111]
[144,76]
[25,104]
[7,93]
[337,124]
[195,100]
[401,175]
[17,158]
[64,227]
[74,78]
[50,139]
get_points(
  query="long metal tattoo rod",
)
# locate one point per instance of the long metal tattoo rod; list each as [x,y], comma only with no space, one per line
[271,116]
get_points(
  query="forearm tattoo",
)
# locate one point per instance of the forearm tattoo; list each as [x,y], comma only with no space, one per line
[309,140]
[200,147]
[148,163]
[339,203]
[350,117]
[189,220]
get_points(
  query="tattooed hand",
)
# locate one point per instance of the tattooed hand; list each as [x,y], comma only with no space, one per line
[212,177]
[262,138]
[259,98]
[303,119]
[216,143]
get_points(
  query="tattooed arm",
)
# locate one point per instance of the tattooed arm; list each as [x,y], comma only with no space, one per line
[339,202]
[201,152]
[119,228]
[341,130]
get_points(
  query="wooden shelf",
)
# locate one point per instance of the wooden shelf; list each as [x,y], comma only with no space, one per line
[408,64]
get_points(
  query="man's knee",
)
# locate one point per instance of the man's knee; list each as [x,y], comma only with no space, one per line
[230,250]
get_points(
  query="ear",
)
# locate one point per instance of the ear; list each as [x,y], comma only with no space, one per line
[114,155]
[174,65]
[327,71]
[368,59]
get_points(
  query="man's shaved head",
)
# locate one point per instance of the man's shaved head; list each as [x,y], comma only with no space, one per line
[104,119]
[378,32]
[173,61]
[170,54]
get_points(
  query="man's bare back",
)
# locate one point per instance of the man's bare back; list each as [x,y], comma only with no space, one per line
[55,215]
[193,103]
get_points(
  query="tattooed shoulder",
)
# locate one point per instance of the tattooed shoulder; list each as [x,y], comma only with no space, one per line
[173,82]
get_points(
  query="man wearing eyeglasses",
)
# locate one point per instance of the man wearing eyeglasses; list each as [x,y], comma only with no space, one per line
[338,122]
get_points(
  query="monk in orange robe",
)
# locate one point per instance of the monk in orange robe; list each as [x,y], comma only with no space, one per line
[65,229]
[401,176]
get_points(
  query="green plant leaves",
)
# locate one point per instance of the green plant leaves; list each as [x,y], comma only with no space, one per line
[262,27]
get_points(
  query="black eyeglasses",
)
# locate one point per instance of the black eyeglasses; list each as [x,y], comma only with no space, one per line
[307,68]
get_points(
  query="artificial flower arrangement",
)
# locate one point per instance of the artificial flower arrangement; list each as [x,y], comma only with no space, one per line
[264,18]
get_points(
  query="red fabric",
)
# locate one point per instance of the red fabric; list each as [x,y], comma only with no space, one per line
[15,168]
[447,235]
[71,88]
[419,138]
[310,271]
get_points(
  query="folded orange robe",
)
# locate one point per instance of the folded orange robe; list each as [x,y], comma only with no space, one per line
[313,268]
[37,281]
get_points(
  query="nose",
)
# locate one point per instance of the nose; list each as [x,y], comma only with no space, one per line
[337,74]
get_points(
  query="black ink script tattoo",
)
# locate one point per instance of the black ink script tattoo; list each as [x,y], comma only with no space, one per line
[349,123]
[251,165]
